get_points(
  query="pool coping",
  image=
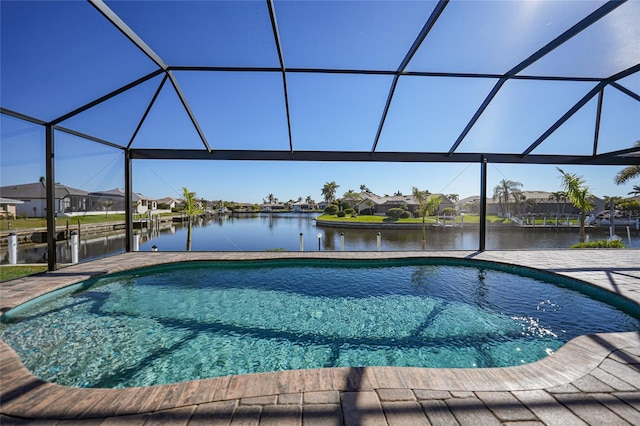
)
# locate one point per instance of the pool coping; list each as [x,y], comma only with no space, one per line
[25,396]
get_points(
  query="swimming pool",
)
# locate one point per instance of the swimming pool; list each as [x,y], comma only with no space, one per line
[187,321]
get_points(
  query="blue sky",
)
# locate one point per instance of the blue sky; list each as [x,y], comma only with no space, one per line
[93,167]
[50,66]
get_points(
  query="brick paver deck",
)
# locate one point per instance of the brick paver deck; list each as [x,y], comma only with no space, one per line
[590,380]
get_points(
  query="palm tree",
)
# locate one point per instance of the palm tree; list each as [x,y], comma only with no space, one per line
[352,197]
[363,188]
[454,198]
[191,209]
[519,200]
[579,195]
[371,205]
[506,189]
[558,196]
[635,190]
[427,204]
[329,191]
[607,202]
[530,204]
[628,172]
[309,202]
[107,206]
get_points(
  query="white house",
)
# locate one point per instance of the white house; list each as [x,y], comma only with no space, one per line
[8,207]
[171,202]
[272,207]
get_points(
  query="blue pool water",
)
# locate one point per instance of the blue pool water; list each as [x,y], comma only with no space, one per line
[187,321]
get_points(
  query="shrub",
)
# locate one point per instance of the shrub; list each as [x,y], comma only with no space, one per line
[349,211]
[405,214]
[366,211]
[449,211]
[600,244]
[341,213]
[395,213]
[331,209]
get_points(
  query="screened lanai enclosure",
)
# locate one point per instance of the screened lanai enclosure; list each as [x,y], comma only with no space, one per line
[95,94]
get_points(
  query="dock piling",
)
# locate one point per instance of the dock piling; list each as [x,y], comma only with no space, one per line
[13,248]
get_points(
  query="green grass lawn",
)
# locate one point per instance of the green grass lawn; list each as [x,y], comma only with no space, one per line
[38,222]
[10,272]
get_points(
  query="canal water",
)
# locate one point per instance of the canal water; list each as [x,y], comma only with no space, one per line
[281,232]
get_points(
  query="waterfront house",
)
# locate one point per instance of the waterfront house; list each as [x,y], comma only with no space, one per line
[144,204]
[168,203]
[8,207]
[526,203]
[382,204]
[113,201]
[303,207]
[370,201]
[272,207]
[33,197]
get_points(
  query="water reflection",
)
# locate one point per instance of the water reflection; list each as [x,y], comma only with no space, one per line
[92,248]
[260,232]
